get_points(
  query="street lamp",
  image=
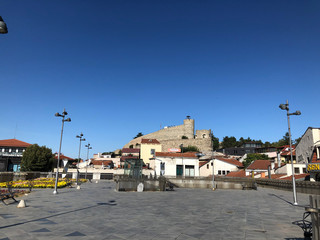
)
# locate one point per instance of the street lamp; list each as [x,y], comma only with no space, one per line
[3,26]
[181,147]
[286,107]
[64,113]
[81,139]
[87,146]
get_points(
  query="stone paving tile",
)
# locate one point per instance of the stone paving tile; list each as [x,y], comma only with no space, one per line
[96,211]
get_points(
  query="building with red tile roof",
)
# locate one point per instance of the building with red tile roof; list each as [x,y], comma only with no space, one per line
[220,165]
[150,141]
[11,151]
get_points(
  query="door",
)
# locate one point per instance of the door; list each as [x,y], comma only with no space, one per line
[179,170]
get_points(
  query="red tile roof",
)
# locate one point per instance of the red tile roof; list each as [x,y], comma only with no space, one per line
[230,161]
[277,176]
[62,157]
[13,143]
[260,164]
[202,163]
[123,158]
[297,176]
[240,173]
[150,141]
[174,154]
[286,150]
[130,150]
[100,162]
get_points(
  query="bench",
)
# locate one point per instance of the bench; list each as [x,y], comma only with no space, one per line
[8,195]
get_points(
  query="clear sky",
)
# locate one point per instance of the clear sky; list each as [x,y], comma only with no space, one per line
[123,67]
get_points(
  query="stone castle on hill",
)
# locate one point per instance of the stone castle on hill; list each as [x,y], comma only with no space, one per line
[173,137]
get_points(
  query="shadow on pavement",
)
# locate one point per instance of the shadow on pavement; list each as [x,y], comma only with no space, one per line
[110,203]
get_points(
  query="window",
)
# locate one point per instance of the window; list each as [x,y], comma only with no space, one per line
[223,172]
[304,170]
[228,172]
[296,170]
[219,172]
[152,151]
[189,171]
[207,166]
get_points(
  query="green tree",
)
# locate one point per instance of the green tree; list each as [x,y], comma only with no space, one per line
[140,134]
[215,143]
[37,158]
[190,149]
[252,157]
[296,141]
[229,142]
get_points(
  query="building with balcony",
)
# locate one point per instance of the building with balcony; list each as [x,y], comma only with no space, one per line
[11,151]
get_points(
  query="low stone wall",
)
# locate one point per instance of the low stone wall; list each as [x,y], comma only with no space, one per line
[131,184]
[239,183]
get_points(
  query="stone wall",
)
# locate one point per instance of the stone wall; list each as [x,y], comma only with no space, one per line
[171,137]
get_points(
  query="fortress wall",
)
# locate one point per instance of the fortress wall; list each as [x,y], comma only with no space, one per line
[175,132]
[203,144]
[203,134]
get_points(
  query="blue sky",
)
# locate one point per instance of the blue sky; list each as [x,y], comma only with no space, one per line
[123,67]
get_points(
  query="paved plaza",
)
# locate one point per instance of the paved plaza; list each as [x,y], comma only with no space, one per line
[97,211]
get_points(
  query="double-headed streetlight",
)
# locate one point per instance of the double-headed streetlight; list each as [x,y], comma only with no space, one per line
[3,26]
[88,147]
[64,113]
[81,139]
[286,107]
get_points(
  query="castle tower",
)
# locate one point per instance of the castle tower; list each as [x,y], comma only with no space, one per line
[188,127]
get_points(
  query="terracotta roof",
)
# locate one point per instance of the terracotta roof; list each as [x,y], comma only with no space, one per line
[174,154]
[150,141]
[286,150]
[260,164]
[130,150]
[13,143]
[277,176]
[100,162]
[123,158]
[230,161]
[202,163]
[63,157]
[297,176]
[240,173]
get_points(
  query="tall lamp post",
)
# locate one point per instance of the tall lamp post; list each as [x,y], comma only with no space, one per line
[64,113]
[81,139]
[87,146]
[286,107]
[3,26]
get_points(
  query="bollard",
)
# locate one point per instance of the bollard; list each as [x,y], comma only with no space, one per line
[21,204]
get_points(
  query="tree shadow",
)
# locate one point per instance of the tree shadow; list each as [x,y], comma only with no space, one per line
[110,203]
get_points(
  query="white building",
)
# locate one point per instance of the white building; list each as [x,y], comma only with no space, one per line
[170,164]
[308,149]
[220,165]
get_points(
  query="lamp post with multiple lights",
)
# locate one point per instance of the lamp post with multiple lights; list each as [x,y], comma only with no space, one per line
[64,113]
[88,147]
[286,107]
[81,139]
[3,26]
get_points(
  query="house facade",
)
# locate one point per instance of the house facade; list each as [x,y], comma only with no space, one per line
[171,164]
[148,149]
[220,166]
[11,151]
[308,149]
